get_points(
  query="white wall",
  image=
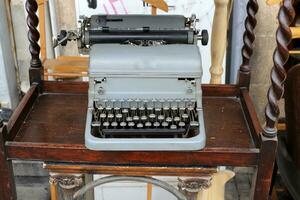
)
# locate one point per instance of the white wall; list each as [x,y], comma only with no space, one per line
[8,82]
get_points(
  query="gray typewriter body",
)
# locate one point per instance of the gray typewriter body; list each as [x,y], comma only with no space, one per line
[144,83]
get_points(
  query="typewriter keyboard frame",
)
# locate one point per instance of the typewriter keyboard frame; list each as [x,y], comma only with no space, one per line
[158,119]
[149,123]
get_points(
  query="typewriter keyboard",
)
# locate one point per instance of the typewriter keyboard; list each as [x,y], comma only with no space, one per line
[145,120]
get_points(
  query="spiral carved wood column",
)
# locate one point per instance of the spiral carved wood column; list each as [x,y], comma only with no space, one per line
[33,37]
[278,73]
[276,91]
[249,37]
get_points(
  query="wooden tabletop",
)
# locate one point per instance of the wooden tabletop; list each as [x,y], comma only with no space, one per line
[53,130]
[60,118]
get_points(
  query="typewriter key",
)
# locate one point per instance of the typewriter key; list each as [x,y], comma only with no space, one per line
[136,118]
[128,119]
[133,109]
[117,109]
[181,124]
[131,124]
[191,107]
[194,123]
[165,124]
[119,116]
[149,110]
[168,119]
[148,124]
[125,111]
[102,115]
[106,124]
[96,124]
[123,124]
[161,117]
[174,108]
[152,117]
[157,111]
[173,127]
[139,125]
[185,117]
[156,124]
[108,109]
[176,119]
[114,124]
[110,116]
[141,109]
[144,118]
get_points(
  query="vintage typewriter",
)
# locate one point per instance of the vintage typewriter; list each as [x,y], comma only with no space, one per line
[144,82]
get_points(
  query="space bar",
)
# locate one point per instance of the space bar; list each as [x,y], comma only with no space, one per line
[143,132]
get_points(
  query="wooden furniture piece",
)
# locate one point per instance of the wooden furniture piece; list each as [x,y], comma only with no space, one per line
[160,4]
[288,159]
[48,124]
[66,67]
[219,38]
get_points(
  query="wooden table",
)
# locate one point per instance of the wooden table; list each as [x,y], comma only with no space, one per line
[48,125]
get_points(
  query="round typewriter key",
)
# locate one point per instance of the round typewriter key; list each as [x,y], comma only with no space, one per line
[100,108]
[108,108]
[96,124]
[129,119]
[156,124]
[190,107]
[185,116]
[152,116]
[114,124]
[174,108]
[173,126]
[194,123]
[140,125]
[136,118]
[125,111]
[117,109]
[110,116]
[166,108]
[123,124]
[168,119]
[102,115]
[148,124]
[131,124]
[106,124]
[141,111]
[133,108]
[157,110]
[182,109]
[161,117]
[141,108]
[149,110]
[144,118]
[119,116]
[176,119]
[181,124]
[165,124]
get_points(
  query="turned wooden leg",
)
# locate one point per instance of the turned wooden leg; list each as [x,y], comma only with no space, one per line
[63,186]
[7,184]
[53,188]
[217,189]
[191,187]
[219,38]
[264,170]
